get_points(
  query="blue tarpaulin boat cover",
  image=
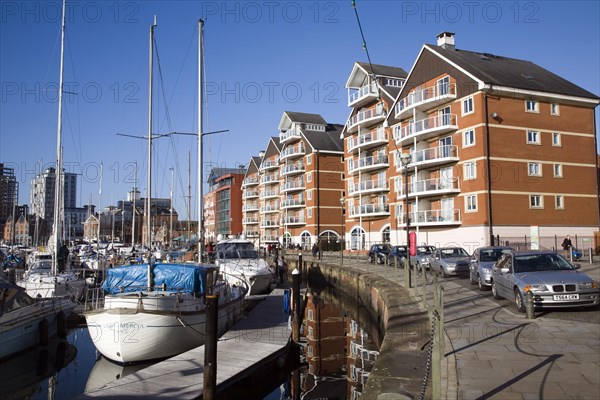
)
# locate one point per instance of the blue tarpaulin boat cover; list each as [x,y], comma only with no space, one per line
[190,278]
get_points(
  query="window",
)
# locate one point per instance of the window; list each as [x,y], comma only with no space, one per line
[393,82]
[471,203]
[469,171]
[309,159]
[309,177]
[534,169]
[467,105]
[556,139]
[310,314]
[309,212]
[309,349]
[559,202]
[558,170]
[469,138]
[536,201]
[533,137]
[309,195]
[532,106]
[554,109]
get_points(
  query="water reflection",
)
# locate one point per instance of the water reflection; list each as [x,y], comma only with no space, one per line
[24,375]
[105,372]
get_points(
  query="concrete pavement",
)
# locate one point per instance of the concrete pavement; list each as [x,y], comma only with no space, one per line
[494,352]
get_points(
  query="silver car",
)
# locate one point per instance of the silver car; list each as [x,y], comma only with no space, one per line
[422,258]
[552,280]
[450,261]
[482,262]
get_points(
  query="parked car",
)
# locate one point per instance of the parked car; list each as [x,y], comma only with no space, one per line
[397,253]
[422,258]
[379,253]
[482,262]
[553,281]
[450,261]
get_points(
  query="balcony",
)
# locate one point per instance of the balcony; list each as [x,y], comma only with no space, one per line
[292,152]
[425,99]
[249,182]
[250,194]
[250,207]
[431,218]
[269,179]
[362,96]
[292,169]
[294,220]
[268,223]
[371,186]
[289,135]
[366,118]
[430,187]
[370,210]
[250,221]
[269,208]
[430,157]
[270,238]
[269,164]
[269,194]
[426,128]
[293,186]
[375,138]
[293,203]
[366,164]
[251,234]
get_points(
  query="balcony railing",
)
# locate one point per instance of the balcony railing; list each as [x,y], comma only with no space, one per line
[250,207]
[270,178]
[291,203]
[248,194]
[269,208]
[250,234]
[249,182]
[366,210]
[266,194]
[375,137]
[267,223]
[292,151]
[292,169]
[366,118]
[293,185]
[365,92]
[432,217]
[430,157]
[249,221]
[368,163]
[269,238]
[294,220]
[424,128]
[426,98]
[269,164]
[429,187]
[289,134]
[376,185]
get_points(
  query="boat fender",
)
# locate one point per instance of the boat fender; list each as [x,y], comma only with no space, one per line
[61,325]
[43,328]
[286,301]
[61,355]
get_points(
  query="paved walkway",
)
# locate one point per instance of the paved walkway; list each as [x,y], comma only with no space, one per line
[494,352]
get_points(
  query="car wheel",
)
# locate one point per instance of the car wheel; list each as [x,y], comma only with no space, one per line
[443,271]
[371,260]
[519,301]
[495,291]
[480,284]
[473,281]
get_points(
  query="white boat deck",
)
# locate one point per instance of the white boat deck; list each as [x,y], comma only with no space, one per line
[259,336]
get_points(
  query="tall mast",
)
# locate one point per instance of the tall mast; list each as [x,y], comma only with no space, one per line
[133,207]
[189,202]
[58,175]
[200,129]
[149,195]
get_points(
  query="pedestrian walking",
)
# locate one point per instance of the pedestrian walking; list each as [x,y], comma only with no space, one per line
[281,269]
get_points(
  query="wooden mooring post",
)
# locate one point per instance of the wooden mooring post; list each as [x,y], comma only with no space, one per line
[210,348]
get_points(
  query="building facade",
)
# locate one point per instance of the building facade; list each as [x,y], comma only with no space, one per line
[223,203]
[9,192]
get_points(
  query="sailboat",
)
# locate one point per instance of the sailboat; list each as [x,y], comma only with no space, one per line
[152,311]
[44,279]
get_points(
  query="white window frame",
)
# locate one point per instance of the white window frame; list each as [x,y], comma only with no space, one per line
[558,170]
[468,106]
[469,170]
[309,195]
[556,139]
[309,351]
[555,109]
[537,139]
[309,213]
[532,106]
[309,159]
[471,203]
[309,177]
[536,201]
[470,133]
[559,202]
[310,314]
[534,168]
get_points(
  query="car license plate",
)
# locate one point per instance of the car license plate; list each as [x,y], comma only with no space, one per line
[566,297]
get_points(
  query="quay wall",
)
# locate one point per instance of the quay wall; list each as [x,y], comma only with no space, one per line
[402,325]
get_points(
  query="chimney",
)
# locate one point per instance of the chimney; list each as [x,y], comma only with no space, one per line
[261,154]
[446,40]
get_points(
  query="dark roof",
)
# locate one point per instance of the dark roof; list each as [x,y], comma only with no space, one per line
[216,173]
[277,142]
[326,141]
[384,70]
[511,72]
[256,160]
[305,117]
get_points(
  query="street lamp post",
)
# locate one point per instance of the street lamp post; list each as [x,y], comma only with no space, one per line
[406,158]
[342,233]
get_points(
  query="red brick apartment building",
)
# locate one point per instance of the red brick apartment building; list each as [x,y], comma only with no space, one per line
[499,147]
[292,191]
[223,203]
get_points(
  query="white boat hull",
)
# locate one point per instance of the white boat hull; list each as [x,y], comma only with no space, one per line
[46,286]
[258,283]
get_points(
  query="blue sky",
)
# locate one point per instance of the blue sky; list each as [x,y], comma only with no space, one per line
[262,58]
